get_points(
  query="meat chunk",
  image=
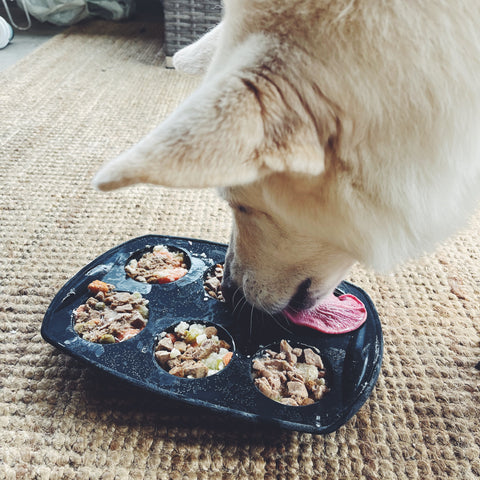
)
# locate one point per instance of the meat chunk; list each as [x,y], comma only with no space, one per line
[290,355]
[195,369]
[166,343]
[180,346]
[122,308]
[285,346]
[264,387]
[297,389]
[205,349]
[318,390]
[162,356]
[262,371]
[311,358]
[278,364]
[210,331]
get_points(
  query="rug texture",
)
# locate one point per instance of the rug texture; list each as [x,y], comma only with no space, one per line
[79,100]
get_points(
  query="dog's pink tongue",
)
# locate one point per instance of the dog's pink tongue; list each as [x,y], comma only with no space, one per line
[334,315]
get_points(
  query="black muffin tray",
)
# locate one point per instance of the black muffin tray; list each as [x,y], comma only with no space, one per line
[352,360]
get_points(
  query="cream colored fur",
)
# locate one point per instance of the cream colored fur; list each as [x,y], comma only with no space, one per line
[195,58]
[339,131]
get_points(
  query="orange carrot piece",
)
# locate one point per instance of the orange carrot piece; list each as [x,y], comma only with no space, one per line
[98,286]
[227,357]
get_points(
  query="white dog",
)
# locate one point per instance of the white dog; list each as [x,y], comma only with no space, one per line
[338,131]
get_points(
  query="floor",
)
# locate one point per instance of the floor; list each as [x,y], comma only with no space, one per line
[25,41]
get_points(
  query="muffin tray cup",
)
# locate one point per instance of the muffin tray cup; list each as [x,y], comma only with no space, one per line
[352,360]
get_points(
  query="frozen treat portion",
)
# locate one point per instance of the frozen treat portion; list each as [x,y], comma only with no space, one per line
[161,265]
[292,376]
[193,351]
[109,316]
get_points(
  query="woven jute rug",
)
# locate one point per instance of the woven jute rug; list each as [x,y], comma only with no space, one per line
[84,97]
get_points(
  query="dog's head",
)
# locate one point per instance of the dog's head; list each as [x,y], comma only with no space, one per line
[262,134]
[284,249]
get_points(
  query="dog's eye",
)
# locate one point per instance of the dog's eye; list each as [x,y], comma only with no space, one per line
[240,208]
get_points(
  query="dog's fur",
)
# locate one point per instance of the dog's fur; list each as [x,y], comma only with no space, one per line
[338,131]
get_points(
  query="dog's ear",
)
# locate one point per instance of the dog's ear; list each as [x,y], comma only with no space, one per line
[195,58]
[212,139]
[233,130]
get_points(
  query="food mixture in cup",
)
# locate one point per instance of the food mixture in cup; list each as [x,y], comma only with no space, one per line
[110,316]
[293,376]
[193,351]
[213,282]
[161,265]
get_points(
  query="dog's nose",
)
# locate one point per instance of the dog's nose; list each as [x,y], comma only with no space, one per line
[301,300]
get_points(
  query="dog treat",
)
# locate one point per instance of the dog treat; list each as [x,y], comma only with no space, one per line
[161,265]
[213,282]
[110,316]
[293,376]
[192,351]
[334,315]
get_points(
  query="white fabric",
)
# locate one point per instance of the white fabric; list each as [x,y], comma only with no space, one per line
[6,33]
[58,12]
